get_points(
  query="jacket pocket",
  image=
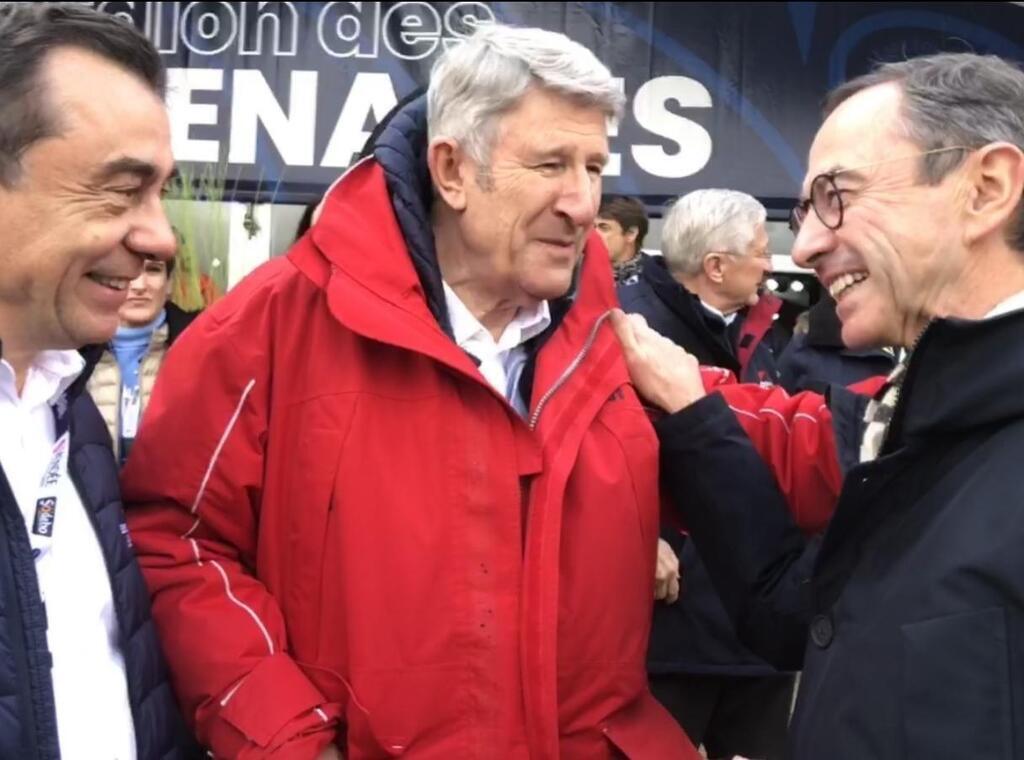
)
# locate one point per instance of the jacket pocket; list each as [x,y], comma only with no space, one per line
[361,740]
[956,687]
[644,730]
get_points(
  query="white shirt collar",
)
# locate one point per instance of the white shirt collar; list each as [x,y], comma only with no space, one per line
[1013,303]
[50,374]
[467,330]
[727,318]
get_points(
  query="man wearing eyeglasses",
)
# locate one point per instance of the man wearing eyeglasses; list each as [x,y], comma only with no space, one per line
[702,293]
[907,615]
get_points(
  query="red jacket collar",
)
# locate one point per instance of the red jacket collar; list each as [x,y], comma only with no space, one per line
[357,253]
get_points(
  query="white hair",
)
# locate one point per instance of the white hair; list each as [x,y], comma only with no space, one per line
[705,221]
[474,83]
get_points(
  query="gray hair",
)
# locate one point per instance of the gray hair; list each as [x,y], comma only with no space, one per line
[950,100]
[476,82]
[705,221]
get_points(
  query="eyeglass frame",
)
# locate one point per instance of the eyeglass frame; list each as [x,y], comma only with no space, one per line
[766,256]
[798,214]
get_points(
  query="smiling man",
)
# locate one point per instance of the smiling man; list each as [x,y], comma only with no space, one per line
[81,169]
[906,616]
[413,504]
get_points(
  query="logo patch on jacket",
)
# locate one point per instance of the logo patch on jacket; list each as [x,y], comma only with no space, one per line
[46,511]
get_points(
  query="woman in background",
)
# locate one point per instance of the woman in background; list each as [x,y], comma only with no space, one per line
[123,379]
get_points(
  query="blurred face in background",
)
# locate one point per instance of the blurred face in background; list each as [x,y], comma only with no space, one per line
[621,243]
[147,295]
[743,272]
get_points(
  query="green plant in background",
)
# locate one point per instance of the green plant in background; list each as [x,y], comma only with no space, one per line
[194,202]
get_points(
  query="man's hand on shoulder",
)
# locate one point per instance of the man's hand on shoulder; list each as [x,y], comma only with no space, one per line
[662,372]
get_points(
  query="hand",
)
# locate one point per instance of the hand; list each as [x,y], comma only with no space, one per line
[331,753]
[666,573]
[662,372]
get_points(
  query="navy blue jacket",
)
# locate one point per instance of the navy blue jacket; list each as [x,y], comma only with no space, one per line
[677,314]
[694,635]
[907,616]
[28,722]
[818,358]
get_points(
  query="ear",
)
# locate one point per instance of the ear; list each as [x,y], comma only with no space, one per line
[631,235]
[447,164]
[714,267]
[995,188]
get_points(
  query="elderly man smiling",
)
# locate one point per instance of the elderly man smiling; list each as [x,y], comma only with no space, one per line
[412,507]
[907,615]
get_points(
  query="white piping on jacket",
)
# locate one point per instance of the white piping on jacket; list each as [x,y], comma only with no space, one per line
[195,511]
[220,446]
[230,694]
[775,413]
[245,607]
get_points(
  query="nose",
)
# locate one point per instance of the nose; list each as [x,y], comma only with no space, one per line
[578,197]
[151,233]
[138,285]
[812,241]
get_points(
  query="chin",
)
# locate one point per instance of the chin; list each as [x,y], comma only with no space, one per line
[862,338]
[99,331]
[135,320]
[549,292]
[554,285]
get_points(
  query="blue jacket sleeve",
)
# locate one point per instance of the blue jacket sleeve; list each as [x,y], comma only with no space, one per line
[729,502]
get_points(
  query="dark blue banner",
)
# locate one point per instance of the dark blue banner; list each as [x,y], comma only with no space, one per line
[281,96]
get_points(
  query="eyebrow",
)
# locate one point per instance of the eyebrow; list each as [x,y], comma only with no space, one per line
[854,174]
[562,151]
[126,165]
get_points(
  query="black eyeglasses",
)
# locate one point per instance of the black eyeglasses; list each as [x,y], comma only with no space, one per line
[827,199]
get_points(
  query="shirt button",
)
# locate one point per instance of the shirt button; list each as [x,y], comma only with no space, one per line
[822,631]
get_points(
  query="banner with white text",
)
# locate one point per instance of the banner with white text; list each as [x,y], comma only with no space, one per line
[281,96]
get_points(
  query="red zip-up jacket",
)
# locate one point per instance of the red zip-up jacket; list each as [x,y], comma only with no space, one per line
[351,537]
[795,437]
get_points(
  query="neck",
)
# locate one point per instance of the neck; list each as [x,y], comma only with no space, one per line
[991,281]
[493,313]
[473,281]
[20,360]
[625,258]
[990,277]
[16,349]
[148,328]
[701,288]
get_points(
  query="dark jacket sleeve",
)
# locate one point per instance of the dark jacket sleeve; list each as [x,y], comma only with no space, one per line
[728,499]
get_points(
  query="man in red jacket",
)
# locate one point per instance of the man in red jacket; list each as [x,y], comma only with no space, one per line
[412,505]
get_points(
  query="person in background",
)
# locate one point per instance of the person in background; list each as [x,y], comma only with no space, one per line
[622,223]
[704,291]
[816,356]
[123,379]
[703,295]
